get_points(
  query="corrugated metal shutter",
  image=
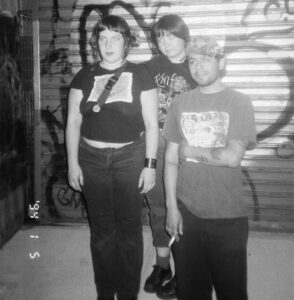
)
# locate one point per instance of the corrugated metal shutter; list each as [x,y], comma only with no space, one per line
[258,38]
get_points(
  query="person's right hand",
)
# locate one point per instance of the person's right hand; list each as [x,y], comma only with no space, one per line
[174,223]
[75,177]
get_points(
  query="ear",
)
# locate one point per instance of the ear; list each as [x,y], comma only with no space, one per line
[222,63]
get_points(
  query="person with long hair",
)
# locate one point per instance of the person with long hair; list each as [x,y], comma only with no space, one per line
[111,151]
[171,74]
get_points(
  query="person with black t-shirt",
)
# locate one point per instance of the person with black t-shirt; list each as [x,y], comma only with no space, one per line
[111,155]
[171,74]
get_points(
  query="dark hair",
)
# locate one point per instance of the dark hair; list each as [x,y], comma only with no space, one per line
[171,23]
[114,23]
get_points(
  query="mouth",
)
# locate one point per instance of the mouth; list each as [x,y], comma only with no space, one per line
[109,53]
[200,74]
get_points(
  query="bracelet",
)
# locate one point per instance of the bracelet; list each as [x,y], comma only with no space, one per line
[150,163]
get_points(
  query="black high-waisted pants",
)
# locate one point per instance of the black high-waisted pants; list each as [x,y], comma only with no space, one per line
[114,207]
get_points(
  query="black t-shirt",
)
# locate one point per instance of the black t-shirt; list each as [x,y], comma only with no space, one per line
[120,118]
[171,79]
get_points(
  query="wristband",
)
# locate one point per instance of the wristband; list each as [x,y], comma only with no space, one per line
[150,163]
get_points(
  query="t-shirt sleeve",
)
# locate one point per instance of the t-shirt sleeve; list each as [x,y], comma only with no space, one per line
[77,81]
[146,79]
[171,130]
[242,126]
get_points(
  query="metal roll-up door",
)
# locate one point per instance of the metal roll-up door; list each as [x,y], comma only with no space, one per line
[258,38]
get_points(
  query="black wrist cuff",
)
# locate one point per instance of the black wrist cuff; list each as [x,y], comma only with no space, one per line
[150,163]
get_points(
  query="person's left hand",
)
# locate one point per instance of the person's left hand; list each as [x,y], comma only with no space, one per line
[147,180]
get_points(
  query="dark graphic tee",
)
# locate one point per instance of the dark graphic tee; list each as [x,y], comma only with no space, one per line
[120,118]
[171,79]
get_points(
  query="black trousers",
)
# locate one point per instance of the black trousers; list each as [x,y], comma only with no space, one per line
[114,206]
[212,253]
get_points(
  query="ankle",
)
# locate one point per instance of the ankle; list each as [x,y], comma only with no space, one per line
[163,261]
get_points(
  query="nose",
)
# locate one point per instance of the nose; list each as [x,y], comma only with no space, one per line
[199,66]
[108,44]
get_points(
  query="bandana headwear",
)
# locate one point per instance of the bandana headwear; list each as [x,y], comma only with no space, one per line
[204,45]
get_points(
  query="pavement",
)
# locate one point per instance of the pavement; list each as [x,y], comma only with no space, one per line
[52,262]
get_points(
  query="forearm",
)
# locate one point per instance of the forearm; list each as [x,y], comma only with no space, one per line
[213,156]
[170,183]
[72,141]
[171,174]
[152,136]
[229,156]
[149,101]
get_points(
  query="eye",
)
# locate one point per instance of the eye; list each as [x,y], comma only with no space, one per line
[170,36]
[191,62]
[205,59]
[117,38]
[101,39]
[159,39]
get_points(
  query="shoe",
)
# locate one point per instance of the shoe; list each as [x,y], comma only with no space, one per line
[103,298]
[168,291]
[157,278]
[128,298]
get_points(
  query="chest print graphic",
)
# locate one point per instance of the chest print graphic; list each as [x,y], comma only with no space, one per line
[205,129]
[121,91]
[168,88]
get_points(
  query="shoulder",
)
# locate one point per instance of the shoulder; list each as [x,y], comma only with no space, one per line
[141,75]
[240,103]
[86,70]
[156,61]
[238,96]
[137,69]
[134,68]
[184,100]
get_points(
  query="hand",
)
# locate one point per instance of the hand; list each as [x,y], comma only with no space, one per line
[147,180]
[75,177]
[174,223]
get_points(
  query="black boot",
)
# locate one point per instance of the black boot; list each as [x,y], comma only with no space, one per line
[157,278]
[168,291]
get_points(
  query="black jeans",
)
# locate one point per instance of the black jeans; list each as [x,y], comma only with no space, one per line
[211,253]
[114,208]
[156,202]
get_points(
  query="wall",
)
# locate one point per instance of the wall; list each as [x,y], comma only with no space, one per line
[13,170]
[258,39]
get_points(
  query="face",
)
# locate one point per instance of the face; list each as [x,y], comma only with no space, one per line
[111,46]
[205,70]
[172,47]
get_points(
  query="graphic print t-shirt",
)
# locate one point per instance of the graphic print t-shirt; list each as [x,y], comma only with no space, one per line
[209,121]
[171,79]
[120,118]
[205,129]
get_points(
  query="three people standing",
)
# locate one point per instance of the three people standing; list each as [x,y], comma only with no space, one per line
[112,157]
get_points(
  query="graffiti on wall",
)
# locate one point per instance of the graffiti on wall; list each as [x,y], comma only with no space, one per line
[57,61]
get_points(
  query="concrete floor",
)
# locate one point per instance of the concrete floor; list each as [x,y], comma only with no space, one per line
[53,263]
